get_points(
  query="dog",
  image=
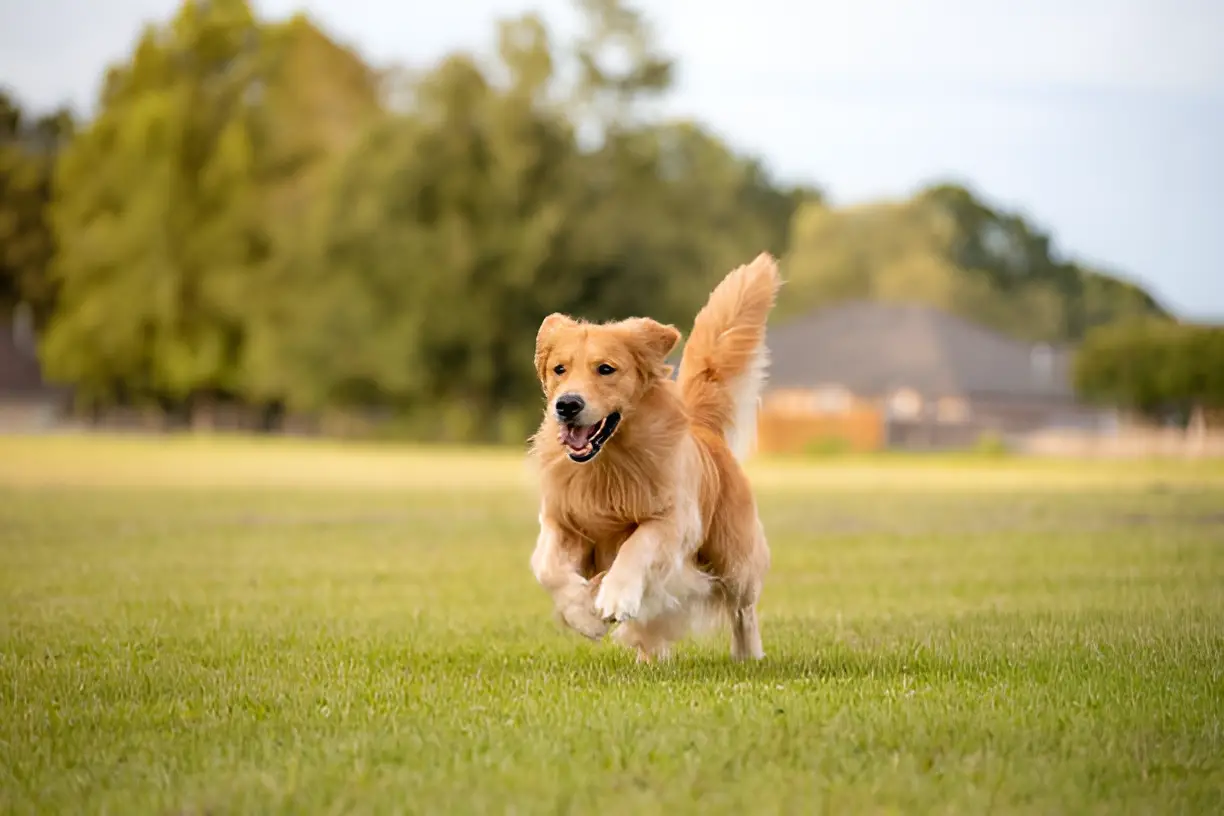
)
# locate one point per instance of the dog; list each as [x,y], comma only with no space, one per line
[647,520]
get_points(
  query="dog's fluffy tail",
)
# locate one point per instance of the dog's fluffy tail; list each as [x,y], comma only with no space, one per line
[725,360]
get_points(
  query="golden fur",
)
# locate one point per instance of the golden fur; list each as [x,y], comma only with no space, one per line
[659,529]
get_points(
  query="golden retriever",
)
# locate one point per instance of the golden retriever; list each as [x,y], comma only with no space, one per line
[647,519]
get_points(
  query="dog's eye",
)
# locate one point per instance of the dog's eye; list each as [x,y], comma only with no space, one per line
[605,369]
[559,370]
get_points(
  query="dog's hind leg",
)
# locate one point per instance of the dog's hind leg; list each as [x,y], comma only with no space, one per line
[648,640]
[746,634]
[742,591]
[653,639]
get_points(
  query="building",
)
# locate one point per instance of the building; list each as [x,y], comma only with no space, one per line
[868,375]
[27,401]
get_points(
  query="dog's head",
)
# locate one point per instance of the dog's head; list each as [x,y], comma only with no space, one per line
[594,375]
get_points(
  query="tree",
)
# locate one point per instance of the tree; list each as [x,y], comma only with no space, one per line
[1015,257]
[319,101]
[947,249]
[1107,299]
[435,246]
[1159,368]
[620,67]
[245,220]
[176,206]
[465,217]
[661,208]
[659,215]
[158,215]
[29,148]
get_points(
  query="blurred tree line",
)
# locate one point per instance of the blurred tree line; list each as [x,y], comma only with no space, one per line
[945,248]
[1167,372]
[256,216]
[29,147]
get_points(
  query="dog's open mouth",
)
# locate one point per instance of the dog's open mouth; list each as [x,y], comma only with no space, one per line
[582,442]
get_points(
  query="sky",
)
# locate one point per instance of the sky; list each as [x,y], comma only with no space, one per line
[1102,121]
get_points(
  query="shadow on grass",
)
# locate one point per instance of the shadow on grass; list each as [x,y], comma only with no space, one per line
[981,649]
[614,667]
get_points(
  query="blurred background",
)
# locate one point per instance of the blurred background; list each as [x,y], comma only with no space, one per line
[999,224]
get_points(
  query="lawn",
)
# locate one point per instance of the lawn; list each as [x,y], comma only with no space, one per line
[206,626]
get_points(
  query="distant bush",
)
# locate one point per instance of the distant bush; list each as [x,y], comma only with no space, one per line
[991,444]
[827,446]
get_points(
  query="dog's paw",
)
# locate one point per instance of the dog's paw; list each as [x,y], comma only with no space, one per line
[619,599]
[585,622]
[579,614]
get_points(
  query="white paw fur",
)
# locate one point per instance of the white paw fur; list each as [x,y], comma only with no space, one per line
[620,597]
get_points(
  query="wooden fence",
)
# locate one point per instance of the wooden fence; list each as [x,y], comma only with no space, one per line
[859,429]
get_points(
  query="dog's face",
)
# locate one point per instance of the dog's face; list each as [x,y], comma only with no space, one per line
[594,374]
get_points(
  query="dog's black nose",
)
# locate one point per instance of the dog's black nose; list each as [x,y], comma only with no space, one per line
[569,406]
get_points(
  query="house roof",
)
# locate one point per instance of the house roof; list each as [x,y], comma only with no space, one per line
[875,348]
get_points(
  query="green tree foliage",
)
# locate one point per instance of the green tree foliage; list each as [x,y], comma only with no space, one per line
[946,248]
[174,204]
[437,241]
[620,67]
[28,150]
[318,99]
[1105,299]
[457,224]
[158,215]
[1158,368]
[256,215]
[318,103]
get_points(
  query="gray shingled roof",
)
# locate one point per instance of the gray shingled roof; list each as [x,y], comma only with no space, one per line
[874,348]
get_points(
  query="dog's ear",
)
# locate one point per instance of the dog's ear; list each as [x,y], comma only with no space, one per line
[655,338]
[544,339]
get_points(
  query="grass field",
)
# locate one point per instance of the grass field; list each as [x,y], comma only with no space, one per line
[196,626]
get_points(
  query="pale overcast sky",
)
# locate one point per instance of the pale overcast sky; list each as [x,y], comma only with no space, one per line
[1103,120]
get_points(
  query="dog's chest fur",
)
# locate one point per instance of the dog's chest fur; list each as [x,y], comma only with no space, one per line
[603,503]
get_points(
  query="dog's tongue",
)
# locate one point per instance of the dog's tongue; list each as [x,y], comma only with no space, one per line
[577,437]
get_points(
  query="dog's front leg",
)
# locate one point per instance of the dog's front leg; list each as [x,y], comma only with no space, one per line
[656,549]
[556,563]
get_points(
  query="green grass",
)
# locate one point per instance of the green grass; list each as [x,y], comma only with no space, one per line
[238,627]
